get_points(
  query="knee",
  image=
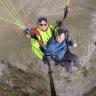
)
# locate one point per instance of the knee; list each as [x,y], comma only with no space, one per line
[77,59]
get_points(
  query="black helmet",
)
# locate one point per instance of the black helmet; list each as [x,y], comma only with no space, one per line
[42,19]
[61,31]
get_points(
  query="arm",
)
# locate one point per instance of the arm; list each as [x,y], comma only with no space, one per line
[34,43]
[36,48]
[47,53]
[72,43]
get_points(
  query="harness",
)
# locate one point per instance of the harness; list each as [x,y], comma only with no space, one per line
[67,37]
[34,34]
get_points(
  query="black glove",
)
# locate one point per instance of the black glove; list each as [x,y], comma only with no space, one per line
[59,23]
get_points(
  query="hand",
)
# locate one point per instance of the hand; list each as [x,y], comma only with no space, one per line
[74,44]
[28,35]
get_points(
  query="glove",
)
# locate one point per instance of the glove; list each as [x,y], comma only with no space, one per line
[59,23]
[27,31]
[28,35]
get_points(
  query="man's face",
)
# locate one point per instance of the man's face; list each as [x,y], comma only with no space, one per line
[43,26]
[60,38]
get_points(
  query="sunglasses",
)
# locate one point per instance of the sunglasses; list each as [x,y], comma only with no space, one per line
[42,24]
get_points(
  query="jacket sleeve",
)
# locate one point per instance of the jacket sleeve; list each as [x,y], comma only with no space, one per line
[47,55]
[36,48]
[54,29]
[70,42]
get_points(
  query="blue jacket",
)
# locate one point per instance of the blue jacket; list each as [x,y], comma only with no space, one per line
[58,49]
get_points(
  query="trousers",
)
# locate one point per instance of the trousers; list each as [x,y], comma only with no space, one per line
[68,59]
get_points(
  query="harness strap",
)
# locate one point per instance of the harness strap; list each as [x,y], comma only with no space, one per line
[36,33]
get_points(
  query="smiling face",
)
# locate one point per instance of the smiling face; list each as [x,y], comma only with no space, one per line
[43,25]
[60,38]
